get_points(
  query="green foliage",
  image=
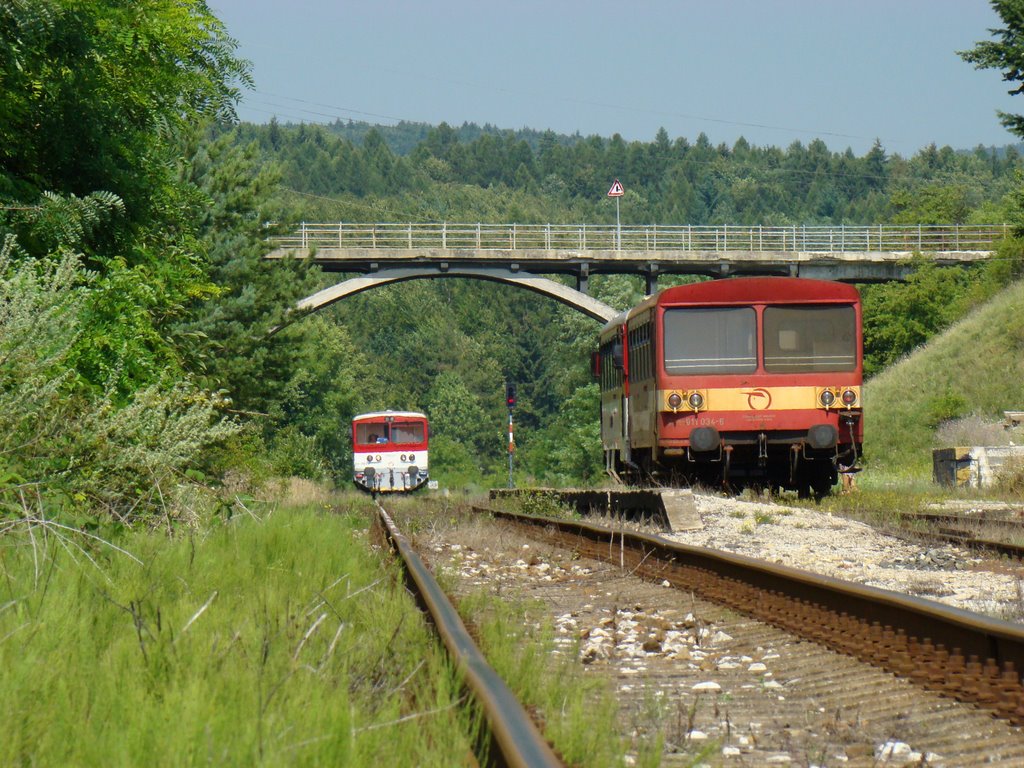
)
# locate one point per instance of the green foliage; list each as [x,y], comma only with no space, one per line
[899,317]
[568,451]
[945,407]
[92,91]
[931,204]
[503,176]
[62,440]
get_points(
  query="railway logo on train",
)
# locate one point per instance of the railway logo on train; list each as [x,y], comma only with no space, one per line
[390,451]
[736,381]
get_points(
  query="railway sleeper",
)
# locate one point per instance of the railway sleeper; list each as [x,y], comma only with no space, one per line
[995,688]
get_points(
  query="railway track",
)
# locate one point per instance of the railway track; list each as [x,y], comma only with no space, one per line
[967,656]
[810,664]
[512,738]
[998,535]
[746,663]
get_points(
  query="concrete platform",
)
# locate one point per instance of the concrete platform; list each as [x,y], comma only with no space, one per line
[673,509]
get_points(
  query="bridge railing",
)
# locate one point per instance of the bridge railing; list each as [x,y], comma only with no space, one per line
[648,238]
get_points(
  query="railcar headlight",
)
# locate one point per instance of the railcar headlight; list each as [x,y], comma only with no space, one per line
[369,457]
[696,400]
[378,457]
[849,397]
[827,398]
[412,457]
[674,400]
[403,457]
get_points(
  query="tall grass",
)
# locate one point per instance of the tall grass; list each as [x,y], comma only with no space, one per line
[273,641]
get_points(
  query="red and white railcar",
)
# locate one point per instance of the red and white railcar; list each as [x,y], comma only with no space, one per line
[390,451]
[740,380]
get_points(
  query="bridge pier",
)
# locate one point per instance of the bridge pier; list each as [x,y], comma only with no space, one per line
[583,279]
[651,279]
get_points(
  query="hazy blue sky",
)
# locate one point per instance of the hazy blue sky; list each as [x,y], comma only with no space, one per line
[773,71]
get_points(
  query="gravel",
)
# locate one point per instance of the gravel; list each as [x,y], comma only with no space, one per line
[846,549]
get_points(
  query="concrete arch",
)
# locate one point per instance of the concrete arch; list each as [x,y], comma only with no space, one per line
[578,300]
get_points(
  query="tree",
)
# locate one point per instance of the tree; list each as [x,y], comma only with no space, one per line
[93,95]
[1005,53]
[95,99]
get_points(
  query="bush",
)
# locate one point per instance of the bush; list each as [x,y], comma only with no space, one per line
[63,443]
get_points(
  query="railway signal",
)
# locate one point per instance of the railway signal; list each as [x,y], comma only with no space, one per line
[510,401]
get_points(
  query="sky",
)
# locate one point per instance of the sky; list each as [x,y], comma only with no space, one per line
[772,71]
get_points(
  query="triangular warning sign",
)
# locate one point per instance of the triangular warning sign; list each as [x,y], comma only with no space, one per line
[616,190]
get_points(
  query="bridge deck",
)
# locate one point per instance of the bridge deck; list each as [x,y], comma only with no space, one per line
[840,253]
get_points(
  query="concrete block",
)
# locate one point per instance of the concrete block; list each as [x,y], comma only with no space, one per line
[681,510]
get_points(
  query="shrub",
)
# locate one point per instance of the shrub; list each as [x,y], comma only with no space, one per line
[64,444]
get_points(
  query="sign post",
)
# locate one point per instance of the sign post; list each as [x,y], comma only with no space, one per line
[617,191]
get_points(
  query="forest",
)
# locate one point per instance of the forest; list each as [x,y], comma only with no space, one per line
[135,209]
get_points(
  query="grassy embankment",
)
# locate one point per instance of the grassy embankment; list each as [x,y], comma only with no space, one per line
[950,392]
[278,640]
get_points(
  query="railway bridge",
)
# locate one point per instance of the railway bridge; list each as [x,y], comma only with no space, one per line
[520,254]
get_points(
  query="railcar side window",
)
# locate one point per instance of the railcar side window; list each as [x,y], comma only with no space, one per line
[810,339]
[710,340]
[406,433]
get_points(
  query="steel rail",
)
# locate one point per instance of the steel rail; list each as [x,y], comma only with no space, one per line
[516,740]
[962,530]
[958,653]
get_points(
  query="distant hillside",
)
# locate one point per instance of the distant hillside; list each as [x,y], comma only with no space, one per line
[403,137]
[969,374]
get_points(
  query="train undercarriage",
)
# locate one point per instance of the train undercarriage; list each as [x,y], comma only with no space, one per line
[753,462]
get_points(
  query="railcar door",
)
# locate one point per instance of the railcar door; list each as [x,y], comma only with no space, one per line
[614,400]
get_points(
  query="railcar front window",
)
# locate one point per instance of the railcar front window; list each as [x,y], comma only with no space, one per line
[367,434]
[710,340]
[810,339]
[406,433]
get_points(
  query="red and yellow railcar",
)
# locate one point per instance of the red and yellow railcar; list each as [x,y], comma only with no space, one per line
[740,380]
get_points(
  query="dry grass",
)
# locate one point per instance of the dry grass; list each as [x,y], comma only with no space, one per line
[976,430]
[299,492]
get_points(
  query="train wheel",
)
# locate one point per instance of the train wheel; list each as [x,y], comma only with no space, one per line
[816,480]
